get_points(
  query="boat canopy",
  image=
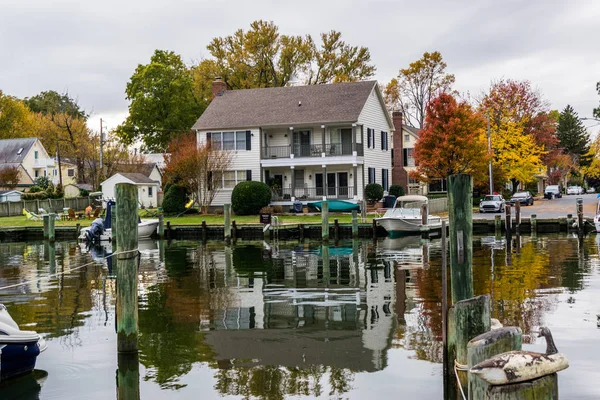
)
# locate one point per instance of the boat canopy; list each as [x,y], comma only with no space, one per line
[411,199]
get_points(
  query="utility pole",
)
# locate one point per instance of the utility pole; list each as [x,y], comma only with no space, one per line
[101,145]
[59,166]
[489,135]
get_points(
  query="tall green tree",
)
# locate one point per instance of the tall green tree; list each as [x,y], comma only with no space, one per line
[16,120]
[163,104]
[573,136]
[263,57]
[416,85]
[597,109]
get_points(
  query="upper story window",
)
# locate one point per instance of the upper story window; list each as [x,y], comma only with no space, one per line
[238,140]
[407,138]
[36,154]
[71,172]
[149,191]
[409,159]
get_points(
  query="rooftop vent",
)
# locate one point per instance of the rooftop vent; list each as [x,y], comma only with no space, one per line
[20,151]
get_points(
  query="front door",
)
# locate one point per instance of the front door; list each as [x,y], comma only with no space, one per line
[342,180]
[319,184]
[346,141]
[331,184]
[299,183]
[302,143]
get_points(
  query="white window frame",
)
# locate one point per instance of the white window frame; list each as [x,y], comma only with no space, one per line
[239,140]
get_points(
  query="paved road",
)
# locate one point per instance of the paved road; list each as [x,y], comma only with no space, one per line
[555,208]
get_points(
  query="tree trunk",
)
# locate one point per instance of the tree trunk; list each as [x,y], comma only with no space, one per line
[515,185]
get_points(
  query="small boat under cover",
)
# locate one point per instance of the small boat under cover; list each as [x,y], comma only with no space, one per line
[406,217]
[336,205]
[18,349]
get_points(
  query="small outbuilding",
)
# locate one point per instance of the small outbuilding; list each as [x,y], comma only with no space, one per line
[147,188]
[74,189]
[10,195]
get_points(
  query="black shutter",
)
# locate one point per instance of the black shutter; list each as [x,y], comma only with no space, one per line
[392,157]
[209,180]
[248,140]
[382,140]
[387,143]
[208,139]
[248,174]
[268,177]
[405,158]
[368,138]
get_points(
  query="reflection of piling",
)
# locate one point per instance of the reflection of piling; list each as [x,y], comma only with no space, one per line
[325,256]
[203,232]
[498,226]
[233,230]
[52,257]
[325,221]
[374,231]
[128,377]
[533,221]
[580,222]
[569,222]
[227,221]
[354,224]
[127,271]
[161,226]
[336,230]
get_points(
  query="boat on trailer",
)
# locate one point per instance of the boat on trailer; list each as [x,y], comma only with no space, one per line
[18,349]
[406,216]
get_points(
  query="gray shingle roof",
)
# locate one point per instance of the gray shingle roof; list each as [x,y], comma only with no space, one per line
[137,177]
[415,131]
[9,149]
[320,104]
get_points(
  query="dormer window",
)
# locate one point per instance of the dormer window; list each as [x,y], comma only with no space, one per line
[20,151]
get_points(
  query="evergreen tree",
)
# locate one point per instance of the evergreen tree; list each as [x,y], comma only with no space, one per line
[573,136]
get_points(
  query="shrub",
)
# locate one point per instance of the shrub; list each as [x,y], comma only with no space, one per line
[84,193]
[249,197]
[43,182]
[34,196]
[174,201]
[373,192]
[396,190]
[267,210]
[277,209]
[35,189]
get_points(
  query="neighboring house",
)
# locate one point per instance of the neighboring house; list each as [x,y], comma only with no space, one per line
[25,179]
[10,195]
[147,188]
[149,170]
[68,173]
[156,158]
[306,142]
[73,189]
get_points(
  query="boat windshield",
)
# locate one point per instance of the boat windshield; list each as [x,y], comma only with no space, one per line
[492,198]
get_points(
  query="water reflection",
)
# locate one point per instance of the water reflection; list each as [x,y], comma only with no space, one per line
[271,321]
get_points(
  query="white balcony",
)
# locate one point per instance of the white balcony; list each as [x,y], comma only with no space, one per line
[43,162]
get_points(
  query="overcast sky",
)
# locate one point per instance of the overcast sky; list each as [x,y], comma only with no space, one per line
[91,48]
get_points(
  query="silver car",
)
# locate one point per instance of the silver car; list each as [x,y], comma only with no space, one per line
[492,203]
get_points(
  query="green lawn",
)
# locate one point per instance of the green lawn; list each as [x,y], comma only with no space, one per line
[196,219]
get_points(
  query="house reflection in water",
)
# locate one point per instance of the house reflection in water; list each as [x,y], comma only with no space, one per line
[321,306]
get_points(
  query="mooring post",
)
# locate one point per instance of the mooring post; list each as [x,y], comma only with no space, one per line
[113,220]
[161,226]
[424,221]
[46,226]
[127,268]
[128,376]
[498,226]
[363,211]
[325,221]
[233,230]
[533,221]
[204,231]
[336,230]
[508,222]
[460,191]
[77,229]
[580,222]
[445,297]
[227,221]
[51,231]
[517,216]
[354,224]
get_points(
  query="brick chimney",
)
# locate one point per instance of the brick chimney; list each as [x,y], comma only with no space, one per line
[218,87]
[399,174]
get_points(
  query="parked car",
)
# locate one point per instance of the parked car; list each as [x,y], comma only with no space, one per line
[553,191]
[575,190]
[491,203]
[591,190]
[525,198]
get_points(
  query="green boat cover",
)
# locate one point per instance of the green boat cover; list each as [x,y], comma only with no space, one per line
[336,206]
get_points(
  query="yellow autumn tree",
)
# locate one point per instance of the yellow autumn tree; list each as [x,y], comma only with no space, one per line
[593,169]
[516,152]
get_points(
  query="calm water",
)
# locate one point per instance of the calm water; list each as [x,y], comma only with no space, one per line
[292,320]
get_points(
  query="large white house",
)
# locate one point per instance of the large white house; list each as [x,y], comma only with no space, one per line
[306,142]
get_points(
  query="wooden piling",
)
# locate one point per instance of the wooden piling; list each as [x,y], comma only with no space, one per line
[51,231]
[336,230]
[533,221]
[508,221]
[78,229]
[363,211]
[325,221]
[204,233]
[517,216]
[445,296]
[460,202]
[580,222]
[227,221]
[113,220]
[354,224]
[128,376]
[545,387]
[161,226]
[498,226]
[127,268]
[233,230]
[46,226]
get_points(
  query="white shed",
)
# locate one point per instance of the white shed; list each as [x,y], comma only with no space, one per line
[10,195]
[147,188]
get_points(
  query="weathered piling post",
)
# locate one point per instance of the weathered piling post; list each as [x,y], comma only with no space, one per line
[424,221]
[460,191]
[203,231]
[161,226]
[354,224]
[580,222]
[498,227]
[127,269]
[336,230]
[168,233]
[517,216]
[445,296]
[233,230]
[569,222]
[326,265]
[227,221]
[508,222]
[51,232]
[113,220]
[77,229]
[325,221]
[363,211]
[46,226]
[533,221]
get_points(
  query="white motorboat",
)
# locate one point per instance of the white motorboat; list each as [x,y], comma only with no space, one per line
[597,216]
[406,217]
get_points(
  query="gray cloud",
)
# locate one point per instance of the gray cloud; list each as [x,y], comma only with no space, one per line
[91,49]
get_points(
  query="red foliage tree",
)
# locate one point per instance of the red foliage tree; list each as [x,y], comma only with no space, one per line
[452,141]
[9,176]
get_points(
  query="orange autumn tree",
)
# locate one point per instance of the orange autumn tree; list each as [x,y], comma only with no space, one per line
[452,141]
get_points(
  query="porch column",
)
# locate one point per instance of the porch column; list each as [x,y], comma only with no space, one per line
[324,182]
[354,140]
[355,175]
[323,140]
[293,196]
[291,142]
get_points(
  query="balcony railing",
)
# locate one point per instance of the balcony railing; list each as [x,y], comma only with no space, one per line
[312,150]
[312,193]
